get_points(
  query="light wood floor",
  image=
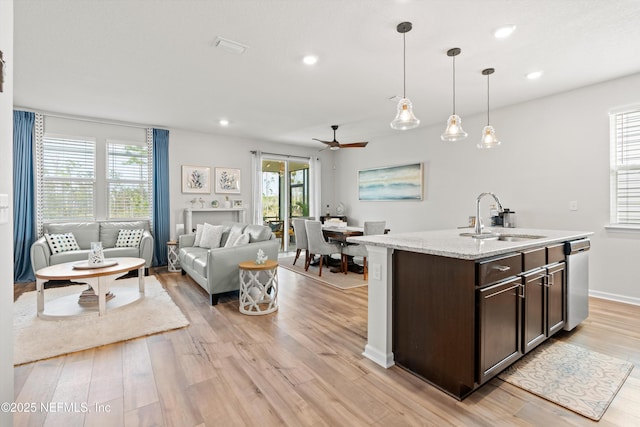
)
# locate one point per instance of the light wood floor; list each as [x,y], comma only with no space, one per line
[300,366]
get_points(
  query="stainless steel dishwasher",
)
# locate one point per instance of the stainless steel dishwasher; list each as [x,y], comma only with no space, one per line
[577,256]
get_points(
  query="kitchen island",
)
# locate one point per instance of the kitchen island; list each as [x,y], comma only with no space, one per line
[456,310]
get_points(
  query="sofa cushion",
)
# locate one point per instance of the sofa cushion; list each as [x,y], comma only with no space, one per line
[62,242]
[84,232]
[129,238]
[188,255]
[199,229]
[81,255]
[231,227]
[211,235]
[258,233]
[243,239]
[122,252]
[109,230]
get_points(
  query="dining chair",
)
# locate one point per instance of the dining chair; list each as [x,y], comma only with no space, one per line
[370,228]
[302,242]
[317,244]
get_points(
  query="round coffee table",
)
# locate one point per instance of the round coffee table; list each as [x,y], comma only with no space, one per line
[258,292]
[99,279]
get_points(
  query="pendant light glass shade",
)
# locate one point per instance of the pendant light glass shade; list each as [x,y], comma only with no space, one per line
[489,138]
[454,131]
[405,119]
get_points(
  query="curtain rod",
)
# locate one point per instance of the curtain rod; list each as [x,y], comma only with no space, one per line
[288,156]
[87,119]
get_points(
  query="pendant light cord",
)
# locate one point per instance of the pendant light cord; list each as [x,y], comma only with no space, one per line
[454,85]
[404,65]
[488,122]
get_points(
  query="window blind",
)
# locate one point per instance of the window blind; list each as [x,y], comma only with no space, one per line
[626,167]
[128,182]
[68,179]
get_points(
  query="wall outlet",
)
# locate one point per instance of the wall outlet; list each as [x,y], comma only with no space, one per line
[573,205]
[376,271]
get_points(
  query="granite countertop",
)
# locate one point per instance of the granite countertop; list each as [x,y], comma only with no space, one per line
[450,243]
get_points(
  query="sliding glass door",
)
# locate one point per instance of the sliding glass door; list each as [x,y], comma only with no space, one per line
[286,187]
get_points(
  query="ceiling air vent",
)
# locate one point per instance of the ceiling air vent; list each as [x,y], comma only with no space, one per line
[230,45]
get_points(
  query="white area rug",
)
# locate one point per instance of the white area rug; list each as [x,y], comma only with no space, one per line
[36,339]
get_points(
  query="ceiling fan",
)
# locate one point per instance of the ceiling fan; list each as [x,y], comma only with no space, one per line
[335,145]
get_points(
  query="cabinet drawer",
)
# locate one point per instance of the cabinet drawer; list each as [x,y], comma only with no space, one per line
[533,258]
[496,269]
[555,253]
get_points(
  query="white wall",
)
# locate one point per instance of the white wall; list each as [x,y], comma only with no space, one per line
[554,150]
[6,230]
[199,149]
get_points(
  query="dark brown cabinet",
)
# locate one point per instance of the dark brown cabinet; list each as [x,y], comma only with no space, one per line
[457,323]
[534,308]
[499,326]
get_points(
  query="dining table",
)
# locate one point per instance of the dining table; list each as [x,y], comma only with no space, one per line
[340,235]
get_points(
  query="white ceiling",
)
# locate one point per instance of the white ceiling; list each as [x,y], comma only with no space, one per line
[154,62]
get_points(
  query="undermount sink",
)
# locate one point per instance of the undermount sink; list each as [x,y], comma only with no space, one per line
[506,237]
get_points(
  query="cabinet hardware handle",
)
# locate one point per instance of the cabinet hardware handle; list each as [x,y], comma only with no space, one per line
[502,267]
[521,291]
[550,279]
[500,292]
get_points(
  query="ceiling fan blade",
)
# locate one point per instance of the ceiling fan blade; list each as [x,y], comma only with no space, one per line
[354,145]
[324,142]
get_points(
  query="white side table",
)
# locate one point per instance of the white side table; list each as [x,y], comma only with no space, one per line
[258,287]
[173,262]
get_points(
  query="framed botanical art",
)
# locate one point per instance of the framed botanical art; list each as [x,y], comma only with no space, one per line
[227,180]
[196,179]
[395,183]
[237,203]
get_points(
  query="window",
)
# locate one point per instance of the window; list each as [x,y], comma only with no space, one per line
[128,181]
[67,179]
[84,173]
[625,167]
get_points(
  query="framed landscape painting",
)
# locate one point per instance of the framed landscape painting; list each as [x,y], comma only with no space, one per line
[227,180]
[393,183]
[196,179]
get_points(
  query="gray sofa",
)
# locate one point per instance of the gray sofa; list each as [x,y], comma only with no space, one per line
[87,232]
[216,270]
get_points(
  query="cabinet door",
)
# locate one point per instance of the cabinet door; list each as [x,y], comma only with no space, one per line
[556,302]
[534,309]
[498,327]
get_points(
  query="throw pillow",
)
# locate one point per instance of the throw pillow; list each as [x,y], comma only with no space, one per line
[62,242]
[129,238]
[198,235]
[231,240]
[242,240]
[211,235]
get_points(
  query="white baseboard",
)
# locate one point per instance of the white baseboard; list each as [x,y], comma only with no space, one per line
[614,297]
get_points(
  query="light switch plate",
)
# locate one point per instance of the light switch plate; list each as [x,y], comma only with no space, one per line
[376,271]
[573,205]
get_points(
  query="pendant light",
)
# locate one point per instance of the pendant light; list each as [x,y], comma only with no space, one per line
[404,118]
[454,131]
[489,139]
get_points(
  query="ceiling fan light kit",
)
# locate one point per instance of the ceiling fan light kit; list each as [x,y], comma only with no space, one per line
[405,119]
[454,131]
[489,138]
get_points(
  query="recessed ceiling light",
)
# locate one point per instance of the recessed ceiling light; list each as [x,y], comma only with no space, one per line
[535,75]
[504,31]
[224,122]
[310,59]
